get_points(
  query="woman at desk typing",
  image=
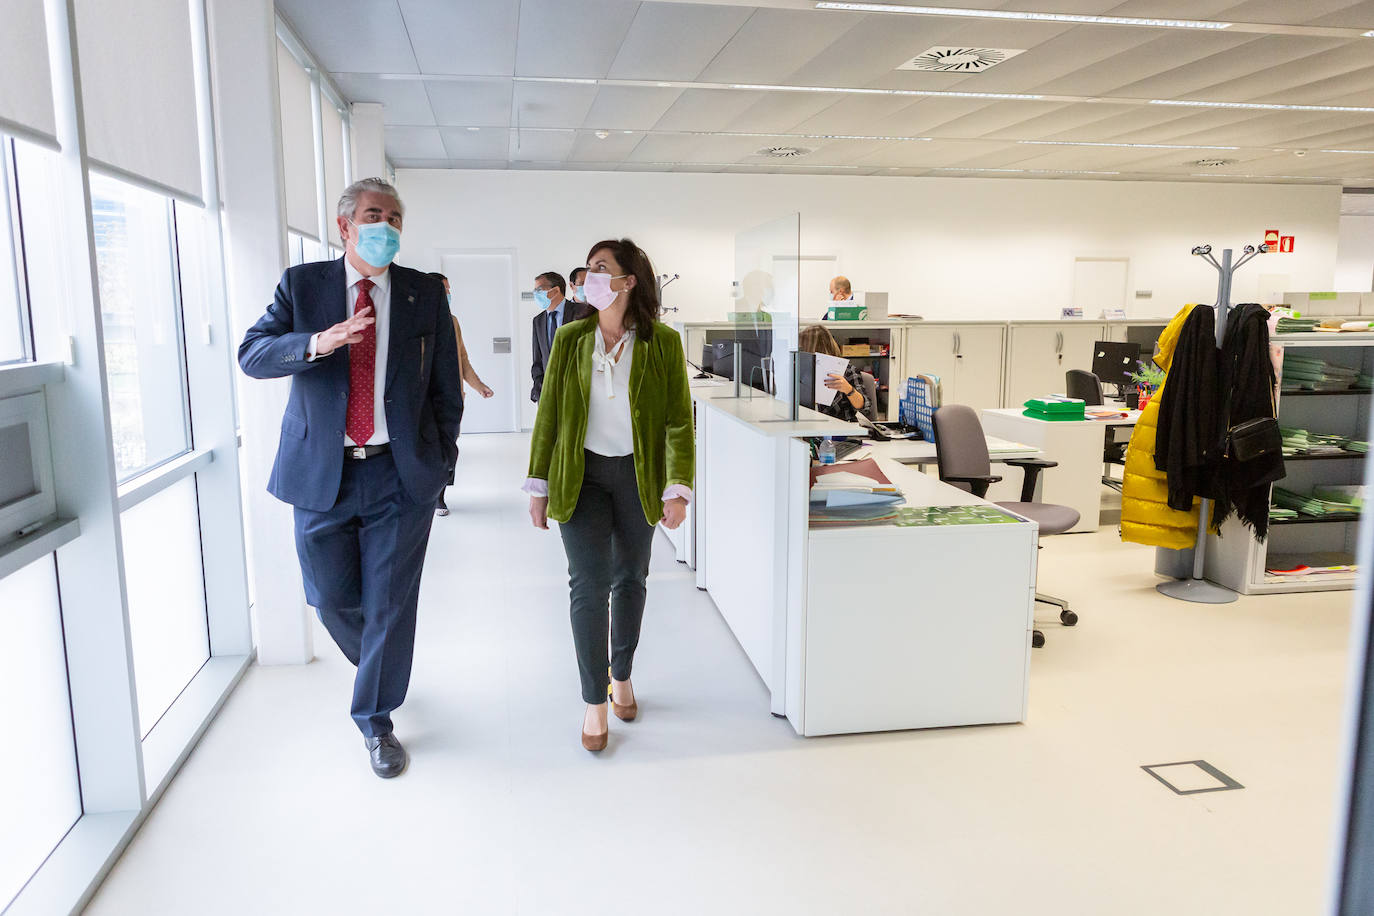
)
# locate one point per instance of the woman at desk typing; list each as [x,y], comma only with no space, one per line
[849,390]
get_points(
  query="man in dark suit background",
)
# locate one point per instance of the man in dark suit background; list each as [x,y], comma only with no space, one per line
[550,290]
[367,442]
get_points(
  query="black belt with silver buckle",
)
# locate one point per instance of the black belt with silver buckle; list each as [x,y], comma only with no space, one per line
[363,452]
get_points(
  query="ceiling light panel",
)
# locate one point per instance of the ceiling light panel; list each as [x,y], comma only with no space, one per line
[1260,106]
[1019,16]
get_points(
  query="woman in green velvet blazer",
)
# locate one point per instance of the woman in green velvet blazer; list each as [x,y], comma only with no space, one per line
[611,456]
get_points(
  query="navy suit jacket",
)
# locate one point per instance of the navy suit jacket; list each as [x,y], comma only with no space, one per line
[422,396]
[572,311]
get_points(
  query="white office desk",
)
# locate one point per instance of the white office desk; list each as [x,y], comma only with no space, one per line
[857,628]
[1076,444]
[921,452]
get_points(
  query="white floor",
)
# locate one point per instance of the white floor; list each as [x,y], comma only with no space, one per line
[710,805]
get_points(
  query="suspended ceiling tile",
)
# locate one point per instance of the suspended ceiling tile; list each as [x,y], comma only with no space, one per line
[540,145]
[614,148]
[768,47]
[428,163]
[536,165]
[480,164]
[571,38]
[993,118]
[707,109]
[489,143]
[1229,62]
[675,41]
[856,114]
[632,107]
[1279,81]
[334,32]
[415,143]
[1093,73]
[403,101]
[782,111]
[678,148]
[471,103]
[1285,11]
[551,104]
[474,38]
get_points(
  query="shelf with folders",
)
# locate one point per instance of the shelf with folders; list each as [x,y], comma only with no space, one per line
[1314,529]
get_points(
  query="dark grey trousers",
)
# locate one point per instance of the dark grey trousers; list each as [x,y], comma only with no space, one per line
[608,543]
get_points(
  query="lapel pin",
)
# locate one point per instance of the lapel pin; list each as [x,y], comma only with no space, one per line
[410,298]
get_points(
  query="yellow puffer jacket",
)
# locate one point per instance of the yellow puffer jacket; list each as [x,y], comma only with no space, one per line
[1145,514]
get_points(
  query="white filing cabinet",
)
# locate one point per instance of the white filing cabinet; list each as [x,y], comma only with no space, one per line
[1042,353]
[967,357]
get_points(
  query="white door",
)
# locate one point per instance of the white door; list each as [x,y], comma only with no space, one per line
[1099,284]
[484,301]
[978,366]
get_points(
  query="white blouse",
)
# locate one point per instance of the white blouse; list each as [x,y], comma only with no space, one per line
[609,429]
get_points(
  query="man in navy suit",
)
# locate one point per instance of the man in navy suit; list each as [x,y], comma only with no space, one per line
[367,442]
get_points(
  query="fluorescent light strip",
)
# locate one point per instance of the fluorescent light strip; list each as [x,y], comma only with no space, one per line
[1369,34]
[1025,16]
[949,168]
[936,93]
[554,79]
[1120,145]
[1285,177]
[1258,106]
[1350,152]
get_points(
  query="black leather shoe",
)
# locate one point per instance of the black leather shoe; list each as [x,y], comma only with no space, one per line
[388,757]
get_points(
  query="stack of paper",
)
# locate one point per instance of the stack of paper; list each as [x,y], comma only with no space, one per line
[1301,442]
[1322,563]
[853,492]
[1346,495]
[825,365]
[1290,325]
[1307,373]
[1313,506]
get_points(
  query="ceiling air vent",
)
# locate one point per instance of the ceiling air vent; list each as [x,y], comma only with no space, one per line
[781,152]
[1213,163]
[960,60]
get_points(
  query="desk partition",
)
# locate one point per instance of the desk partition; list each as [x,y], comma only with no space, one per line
[766,305]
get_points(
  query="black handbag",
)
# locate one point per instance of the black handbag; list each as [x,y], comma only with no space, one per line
[1258,438]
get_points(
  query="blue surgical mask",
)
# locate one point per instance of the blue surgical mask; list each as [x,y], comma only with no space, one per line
[542,297]
[577,294]
[377,243]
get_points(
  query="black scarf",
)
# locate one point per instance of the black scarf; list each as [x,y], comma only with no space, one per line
[1247,382]
[1187,436]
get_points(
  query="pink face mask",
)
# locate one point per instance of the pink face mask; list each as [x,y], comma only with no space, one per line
[597,289]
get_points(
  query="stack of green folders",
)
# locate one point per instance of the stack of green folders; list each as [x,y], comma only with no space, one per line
[1289,325]
[1312,506]
[1055,409]
[1301,442]
[1307,373]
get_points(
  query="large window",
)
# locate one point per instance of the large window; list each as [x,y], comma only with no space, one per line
[141,313]
[14,331]
[39,794]
[166,587]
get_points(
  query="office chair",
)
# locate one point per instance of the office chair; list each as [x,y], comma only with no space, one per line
[1087,387]
[961,451]
[871,392]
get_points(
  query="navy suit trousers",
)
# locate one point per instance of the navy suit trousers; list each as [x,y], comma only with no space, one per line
[361,561]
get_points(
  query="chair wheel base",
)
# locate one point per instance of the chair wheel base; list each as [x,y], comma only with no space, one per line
[1037,639]
[1068,618]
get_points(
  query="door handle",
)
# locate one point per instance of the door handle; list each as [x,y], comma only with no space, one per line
[958,345]
[1059,341]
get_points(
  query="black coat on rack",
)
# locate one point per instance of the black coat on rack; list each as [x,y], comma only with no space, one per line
[1187,438]
[1247,381]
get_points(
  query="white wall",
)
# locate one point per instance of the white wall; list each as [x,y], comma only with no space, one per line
[1355,254]
[942,247]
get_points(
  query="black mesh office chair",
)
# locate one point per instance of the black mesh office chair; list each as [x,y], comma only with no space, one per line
[1087,387]
[961,450]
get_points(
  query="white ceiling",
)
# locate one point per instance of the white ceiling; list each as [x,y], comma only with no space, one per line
[463,85]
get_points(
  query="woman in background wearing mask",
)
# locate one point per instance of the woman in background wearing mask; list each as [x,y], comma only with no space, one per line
[611,456]
[465,368]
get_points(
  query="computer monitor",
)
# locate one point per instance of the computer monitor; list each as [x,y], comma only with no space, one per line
[718,358]
[1114,361]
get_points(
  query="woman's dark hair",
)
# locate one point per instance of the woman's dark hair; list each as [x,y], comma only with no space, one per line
[817,339]
[642,311]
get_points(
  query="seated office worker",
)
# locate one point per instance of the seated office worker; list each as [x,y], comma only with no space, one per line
[367,442]
[465,370]
[840,290]
[611,456]
[849,391]
[549,291]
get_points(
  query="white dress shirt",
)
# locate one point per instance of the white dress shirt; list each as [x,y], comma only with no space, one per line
[381,310]
[610,431]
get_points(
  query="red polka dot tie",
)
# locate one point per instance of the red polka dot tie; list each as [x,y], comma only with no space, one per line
[362,374]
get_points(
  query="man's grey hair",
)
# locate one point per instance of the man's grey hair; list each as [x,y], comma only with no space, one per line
[348,200]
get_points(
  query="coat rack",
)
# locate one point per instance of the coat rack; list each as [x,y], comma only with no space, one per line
[1196,588]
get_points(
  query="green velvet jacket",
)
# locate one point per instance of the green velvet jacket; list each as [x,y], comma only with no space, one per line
[660,412]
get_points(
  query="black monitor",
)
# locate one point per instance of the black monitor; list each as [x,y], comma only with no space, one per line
[718,358]
[1114,361]
[806,379]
